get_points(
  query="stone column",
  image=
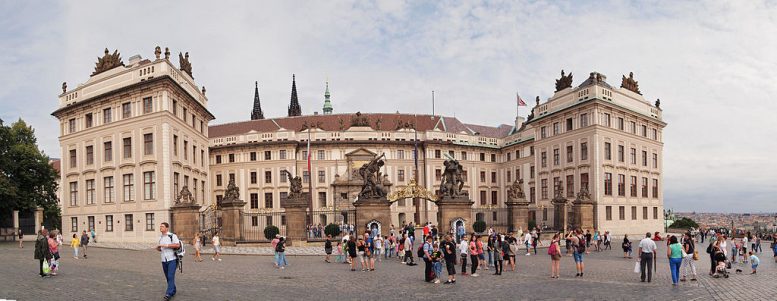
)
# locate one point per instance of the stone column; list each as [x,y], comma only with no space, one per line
[16,222]
[454,208]
[231,221]
[584,214]
[369,209]
[296,217]
[519,214]
[38,219]
[186,220]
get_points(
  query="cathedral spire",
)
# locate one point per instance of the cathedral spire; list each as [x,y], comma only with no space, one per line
[257,112]
[327,101]
[294,108]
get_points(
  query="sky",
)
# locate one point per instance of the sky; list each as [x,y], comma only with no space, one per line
[712,63]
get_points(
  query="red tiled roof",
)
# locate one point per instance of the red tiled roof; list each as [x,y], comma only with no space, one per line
[337,122]
[57,165]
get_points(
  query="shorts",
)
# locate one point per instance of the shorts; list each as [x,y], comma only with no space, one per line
[450,265]
[578,257]
[481,256]
[360,255]
[755,266]
[217,248]
[555,257]
[328,251]
[352,255]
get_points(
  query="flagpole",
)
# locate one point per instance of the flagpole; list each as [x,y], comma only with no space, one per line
[310,184]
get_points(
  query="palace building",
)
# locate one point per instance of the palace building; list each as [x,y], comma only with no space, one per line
[132,136]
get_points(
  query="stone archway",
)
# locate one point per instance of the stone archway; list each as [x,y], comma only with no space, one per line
[455,224]
[375,227]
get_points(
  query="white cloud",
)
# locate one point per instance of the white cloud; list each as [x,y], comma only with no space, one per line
[711,63]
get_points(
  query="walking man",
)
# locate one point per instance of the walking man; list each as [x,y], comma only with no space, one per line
[647,253]
[168,243]
[84,241]
[42,249]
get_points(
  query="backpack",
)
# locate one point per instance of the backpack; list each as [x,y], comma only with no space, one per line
[581,244]
[421,250]
[552,249]
[180,251]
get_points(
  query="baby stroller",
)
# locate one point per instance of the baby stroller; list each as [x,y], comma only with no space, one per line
[720,265]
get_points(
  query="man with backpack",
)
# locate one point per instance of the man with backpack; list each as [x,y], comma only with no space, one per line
[168,245]
[578,244]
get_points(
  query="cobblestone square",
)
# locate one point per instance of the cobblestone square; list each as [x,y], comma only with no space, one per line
[119,274]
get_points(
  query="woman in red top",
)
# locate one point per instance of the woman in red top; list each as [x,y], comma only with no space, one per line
[475,249]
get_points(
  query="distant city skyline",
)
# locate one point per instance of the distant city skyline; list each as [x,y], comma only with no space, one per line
[707,64]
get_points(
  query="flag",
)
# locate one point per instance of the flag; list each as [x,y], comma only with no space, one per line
[521,103]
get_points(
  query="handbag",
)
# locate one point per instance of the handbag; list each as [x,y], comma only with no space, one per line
[636,267]
[46,268]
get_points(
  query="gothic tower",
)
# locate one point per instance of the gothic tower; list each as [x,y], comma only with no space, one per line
[294,108]
[257,112]
[327,101]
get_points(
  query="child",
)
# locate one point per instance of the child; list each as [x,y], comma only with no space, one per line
[754,261]
[197,246]
[436,264]
[339,252]
[75,243]
[216,241]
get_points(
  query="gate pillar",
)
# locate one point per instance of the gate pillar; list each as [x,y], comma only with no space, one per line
[186,220]
[451,208]
[368,209]
[296,216]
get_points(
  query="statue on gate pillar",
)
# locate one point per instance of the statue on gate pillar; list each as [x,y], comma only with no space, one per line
[184,197]
[232,194]
[296,185]
[452,180]
[370,172]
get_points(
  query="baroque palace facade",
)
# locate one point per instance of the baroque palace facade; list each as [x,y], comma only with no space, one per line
[121,174]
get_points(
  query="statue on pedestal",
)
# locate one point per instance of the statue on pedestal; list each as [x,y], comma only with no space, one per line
[583,196]
[184,197]
[233,193]
[515,191]
[564,82]
[370,172]
[452,180]
[296,185]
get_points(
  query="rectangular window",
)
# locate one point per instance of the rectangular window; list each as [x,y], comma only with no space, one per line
[509,156]
[194,154]
[90,192]
[655,212]
[73,159]
[129,187]
[401,175]
[175,107]
[218,158]
[655,188]
[644,158]
[644,187]
[268,177]
[607,151]
[108,151]
[583,151]
[149,185]
[127,143]
[655,160]
[73,224]
[89,155]
[176,183]
[644,213]
[231,177]
[622,185]
[252,157]
[109,193]
[544,159]
[268,155]
[555,185]
[494,198]
[655,134]
[583,120]
[569,124]
[149,222]
[482,157]
[88,120]
[463,156]
[483,199]
[633,127]
[556,156]
[606,119]
[126,110]
[633,212]
[254,201]
[175,145]
[268,203]
[321,199]
[71,125]
[633,155]
[620,123]
[321,155]
[107,116]
[186,150]
[544,189]
[622,212]
[305,176]
[608,212]
[482,177]
[644,131]
[531,172]
[584,180]
[218,180]
[282,154]
[571,186]
[253,177]
[321,176]
[607,183]
[509,178]
[128,223]
[73,193]
[186,180]
[109,223]
[493,177]
[633,186]
[570,154]
[556,128]
[620,153]
[148,144]
[147,105]
[493,157]
[437,154]
[543,132]
[231,158]
[532,194]
[283,176]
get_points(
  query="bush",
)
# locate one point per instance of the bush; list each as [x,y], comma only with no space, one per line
[271,231]
[532,224]
[684,223]
[332,229]
[479,226]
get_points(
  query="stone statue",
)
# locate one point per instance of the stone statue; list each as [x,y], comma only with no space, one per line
[564,82]
[296,185]
[232,193]
[184,64]
[157,52]
[359,120]
[107,62]
[370,172]
[452,181]
[630,84]
[203,90]
[167,53]
[658,103]
[515,191]
[583,196]
[184,197]
[64,87]
[537,100]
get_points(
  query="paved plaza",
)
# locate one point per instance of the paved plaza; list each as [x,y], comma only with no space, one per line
[119,274]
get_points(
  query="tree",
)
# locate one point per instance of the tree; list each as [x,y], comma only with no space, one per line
[27,181]
[479,226]
[332,229]
[270,232]
[684,223]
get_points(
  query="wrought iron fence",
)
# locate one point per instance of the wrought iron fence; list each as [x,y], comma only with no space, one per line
[253,224]
[345,219]
[496,218]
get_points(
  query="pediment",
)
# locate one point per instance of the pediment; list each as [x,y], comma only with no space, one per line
[360,152]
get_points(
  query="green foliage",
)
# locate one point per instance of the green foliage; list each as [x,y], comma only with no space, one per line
[332,229]
[479,226]
[684,223]
[27,180]
[532,224]
[270,232]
